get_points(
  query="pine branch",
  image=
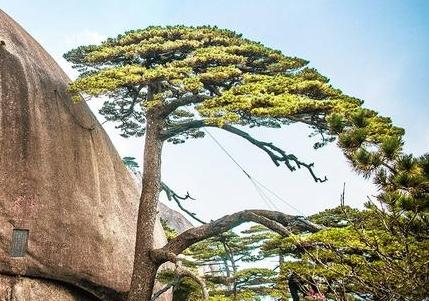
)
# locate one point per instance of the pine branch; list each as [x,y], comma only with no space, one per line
[181,272]
[182,101]
[276,154]
[274,220]
[172,195]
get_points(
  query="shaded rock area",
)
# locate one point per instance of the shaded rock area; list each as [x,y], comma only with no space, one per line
[14,288]
[61,180]
[174,219]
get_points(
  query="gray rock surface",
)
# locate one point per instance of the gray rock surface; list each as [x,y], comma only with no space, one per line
[25,289]
[175,219]
[60,178]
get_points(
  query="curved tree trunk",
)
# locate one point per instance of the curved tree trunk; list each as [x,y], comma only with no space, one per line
[144,272]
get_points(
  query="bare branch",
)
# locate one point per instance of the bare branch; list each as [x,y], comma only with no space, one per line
[172,195]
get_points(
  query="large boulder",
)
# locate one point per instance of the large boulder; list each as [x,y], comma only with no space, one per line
[61,179]
[14,288]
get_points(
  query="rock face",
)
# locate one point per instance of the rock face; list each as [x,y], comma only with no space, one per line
[174,219]
[62,180]
[24,289]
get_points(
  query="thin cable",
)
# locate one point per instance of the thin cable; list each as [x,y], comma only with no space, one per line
[264,197]
[279,198]
[260,192]
[255,182]
[227,153]
[267,200]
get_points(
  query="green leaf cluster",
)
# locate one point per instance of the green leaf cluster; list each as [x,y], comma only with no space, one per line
[220,78]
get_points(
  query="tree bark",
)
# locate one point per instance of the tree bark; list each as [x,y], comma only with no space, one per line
[144,271]
[278,222]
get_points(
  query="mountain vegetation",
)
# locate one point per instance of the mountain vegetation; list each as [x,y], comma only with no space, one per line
[170,83]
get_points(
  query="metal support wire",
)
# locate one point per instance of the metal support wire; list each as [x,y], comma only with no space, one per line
[259,187]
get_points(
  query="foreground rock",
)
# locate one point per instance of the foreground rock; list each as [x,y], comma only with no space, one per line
[24,289]
[62,183]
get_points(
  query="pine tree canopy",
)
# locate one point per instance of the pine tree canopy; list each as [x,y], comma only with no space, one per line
[194,77]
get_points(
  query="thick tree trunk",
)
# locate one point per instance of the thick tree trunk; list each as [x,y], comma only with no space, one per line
[144,272]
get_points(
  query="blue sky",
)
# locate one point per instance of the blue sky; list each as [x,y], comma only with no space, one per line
[374,50]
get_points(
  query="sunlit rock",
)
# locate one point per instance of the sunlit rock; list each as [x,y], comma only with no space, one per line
[62,183]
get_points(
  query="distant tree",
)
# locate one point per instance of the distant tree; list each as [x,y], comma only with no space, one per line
[380,253]
[222,256]
[169,83]
[170,233]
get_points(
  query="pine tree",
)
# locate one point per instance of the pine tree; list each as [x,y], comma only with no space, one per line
[225,255]
[377,254]
[168,83]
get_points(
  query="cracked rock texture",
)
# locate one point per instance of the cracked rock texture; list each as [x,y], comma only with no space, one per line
[62,179]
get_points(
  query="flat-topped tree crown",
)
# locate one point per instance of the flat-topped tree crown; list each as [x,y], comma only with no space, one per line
[192,77]
[170,82]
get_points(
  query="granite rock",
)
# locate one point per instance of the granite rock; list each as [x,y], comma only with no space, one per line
[60,178]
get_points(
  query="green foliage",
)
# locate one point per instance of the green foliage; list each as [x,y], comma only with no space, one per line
[368,262]
[378,254]
[170,233]
[226,278]
[218,77]
[130,162]
[219,249]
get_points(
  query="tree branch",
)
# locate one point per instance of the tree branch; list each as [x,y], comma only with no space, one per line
[182,101]
[135,93]
[183,127]
[172,195]
[274,220]
[164,289]
[184,272]
[276,154]
[181,272]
